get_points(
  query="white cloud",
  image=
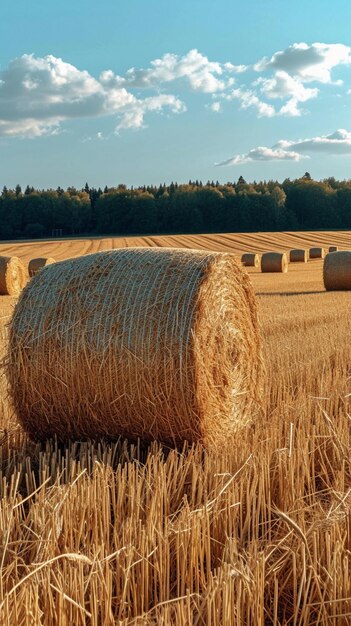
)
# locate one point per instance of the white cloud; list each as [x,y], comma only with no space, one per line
[262,153]
[28,128]
[133,117]
[195,68]
[216,107]
[310,63]
[295,66]
[37,94]
[249,99]
[283,85]
[337,143]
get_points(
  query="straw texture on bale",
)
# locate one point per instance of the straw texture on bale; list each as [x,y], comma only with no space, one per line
[333,248]
[337,271]
[37,264]
[151,343]
[274,262]
[298,256]
[317,253]
[250,259]
[13,276]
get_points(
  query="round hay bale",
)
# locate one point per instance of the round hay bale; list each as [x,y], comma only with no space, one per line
[333,248]
[298,256]
[317,253]
[250,259]
[13,275]
[35,265]
[140,342]
[337,271]
[274,262]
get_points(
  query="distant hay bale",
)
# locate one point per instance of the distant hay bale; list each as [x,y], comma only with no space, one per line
[13,276]
[337,271]
[35,265]
[317,253]
[250,259]
[333,248]
[274,262]
[298,256]
[140,342]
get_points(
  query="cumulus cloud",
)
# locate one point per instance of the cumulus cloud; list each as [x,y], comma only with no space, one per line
[197,70]
[337,143]
[262,153]
[37,94]
[283,85]
[310,63]
[133,117]
[248,99]
[292,68]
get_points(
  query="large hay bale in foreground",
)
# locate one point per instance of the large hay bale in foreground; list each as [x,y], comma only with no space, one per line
[337,271]
[13,276]
[35,265]
[250,259]
[274,262]
[151,343]
[333,248]
[298,256]
[317,253]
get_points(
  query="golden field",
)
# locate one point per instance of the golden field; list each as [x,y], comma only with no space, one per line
[98,534]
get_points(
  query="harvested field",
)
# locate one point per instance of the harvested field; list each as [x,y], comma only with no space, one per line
[237,243]
[113,533]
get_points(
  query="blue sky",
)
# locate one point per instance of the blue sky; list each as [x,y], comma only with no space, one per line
[261,88]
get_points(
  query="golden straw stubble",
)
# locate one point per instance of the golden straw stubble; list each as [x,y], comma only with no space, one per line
[13,276]
[152,343]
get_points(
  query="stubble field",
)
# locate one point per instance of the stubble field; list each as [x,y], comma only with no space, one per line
[107,533]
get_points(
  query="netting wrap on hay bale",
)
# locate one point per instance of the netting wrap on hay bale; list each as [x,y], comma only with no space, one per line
[337,271]
[274,262]
[250,259]
[317,253]
[13,276]
[333,248]
[298,256]
[35,265]
[152,343]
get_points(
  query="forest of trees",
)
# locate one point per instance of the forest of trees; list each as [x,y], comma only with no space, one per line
[301,204]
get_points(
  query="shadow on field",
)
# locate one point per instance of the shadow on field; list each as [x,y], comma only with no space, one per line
[289,293]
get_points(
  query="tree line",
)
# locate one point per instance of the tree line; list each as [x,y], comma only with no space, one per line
[300,204]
